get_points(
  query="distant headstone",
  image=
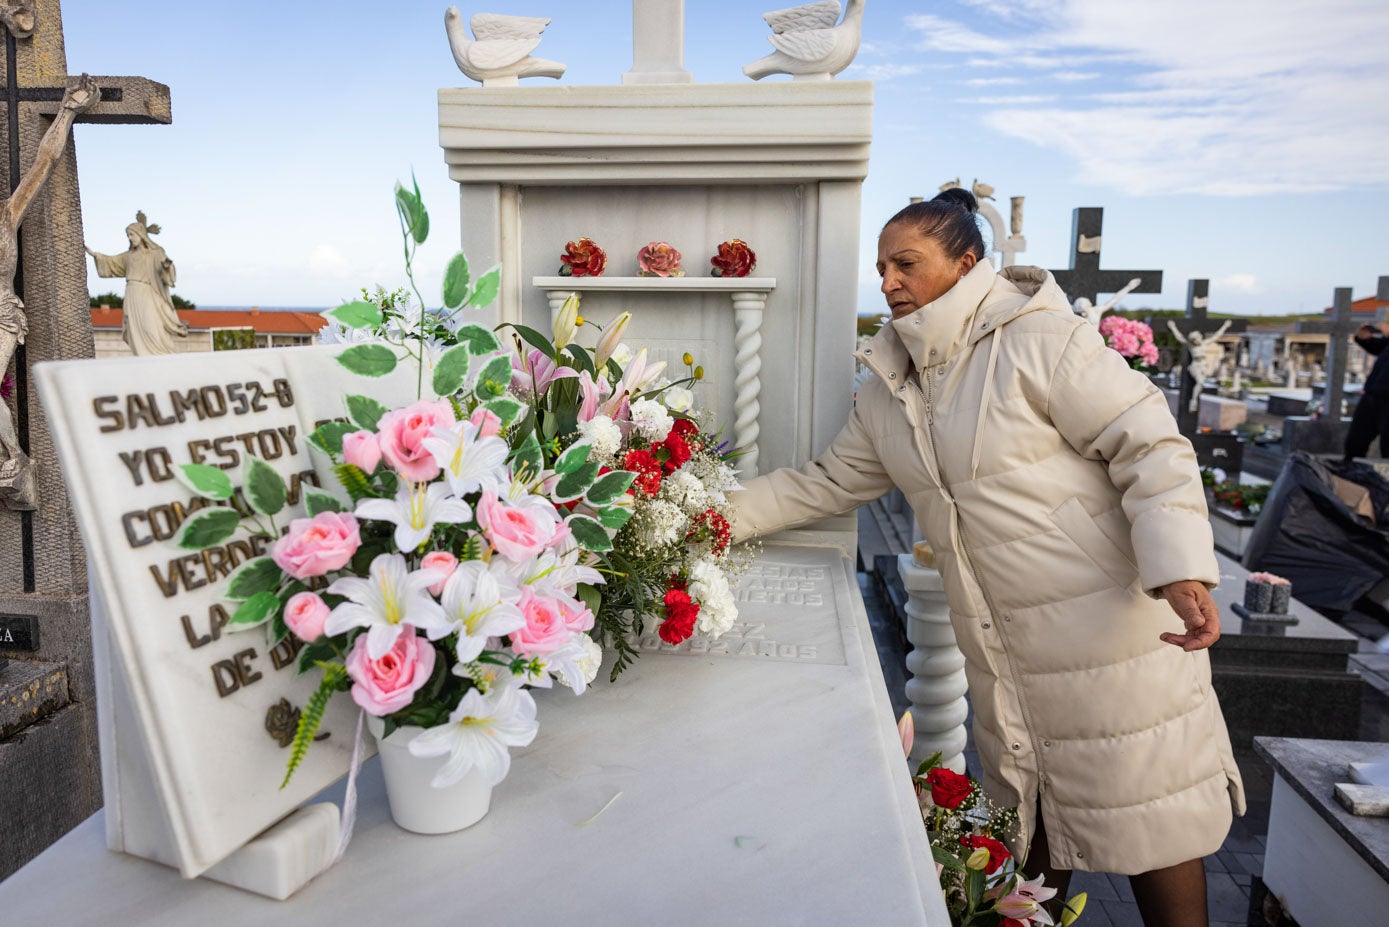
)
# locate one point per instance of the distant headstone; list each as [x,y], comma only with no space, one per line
[1218,413]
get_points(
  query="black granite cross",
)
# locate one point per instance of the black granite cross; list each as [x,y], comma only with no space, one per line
[1197,301]
[123,100]
[1084,277]
[1339,331]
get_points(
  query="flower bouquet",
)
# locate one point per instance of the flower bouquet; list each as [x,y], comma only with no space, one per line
[1132,339]
[982,883]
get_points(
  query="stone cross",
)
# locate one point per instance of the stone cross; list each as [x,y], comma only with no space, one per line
[1339,331]
[658,43]
[43,573]
[1084,278]
[1197,302]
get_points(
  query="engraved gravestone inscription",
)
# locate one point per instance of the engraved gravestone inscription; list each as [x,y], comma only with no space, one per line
[19,632]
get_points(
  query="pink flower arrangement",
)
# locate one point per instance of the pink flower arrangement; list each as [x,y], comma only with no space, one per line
[1132,339]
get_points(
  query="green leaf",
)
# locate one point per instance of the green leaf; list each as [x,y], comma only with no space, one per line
[614,517]
[450,370]
[582,362]
[365,412]
[574,457]
[486,288]
[358,314]
[478,339]
[316,502]
[590,596]
[609,487]
[575,484]
[253,577]
[208,482]
[505,408]
[328,436]
[535,339]
[208,528]
[529,455]
[256,610]
[312,716]
[368,360]
[412,213]
[354,481]
[264,488]
[423,233]
[590,534]
[456,278]
[315,652]
[493,380]
[947,859]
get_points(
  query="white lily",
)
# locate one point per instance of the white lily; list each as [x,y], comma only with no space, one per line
[480,602]
[612,337]
[415,510]
[567,663]
[567,321]
[391,595]
[478,734]
[470,463]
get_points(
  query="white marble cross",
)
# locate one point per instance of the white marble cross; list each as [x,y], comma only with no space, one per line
[658,43]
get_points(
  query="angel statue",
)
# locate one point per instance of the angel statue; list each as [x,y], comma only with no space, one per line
[17,489]
[1092,313]
[149,318]
[1205,352]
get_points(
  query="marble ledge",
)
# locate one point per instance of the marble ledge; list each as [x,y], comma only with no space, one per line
[1313,768]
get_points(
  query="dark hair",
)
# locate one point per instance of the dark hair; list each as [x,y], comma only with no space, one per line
[950,217]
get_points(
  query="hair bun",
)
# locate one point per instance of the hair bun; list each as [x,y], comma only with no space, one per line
[959,196]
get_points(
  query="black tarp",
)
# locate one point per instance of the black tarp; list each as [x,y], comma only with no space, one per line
[1308,535]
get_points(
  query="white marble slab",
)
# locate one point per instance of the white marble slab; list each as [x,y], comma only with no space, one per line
[739,791]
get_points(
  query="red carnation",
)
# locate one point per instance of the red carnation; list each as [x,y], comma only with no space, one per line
[647,468]
[681,612]
[715,526]
[948,788]
[998,853]
[685,428]
[677,452]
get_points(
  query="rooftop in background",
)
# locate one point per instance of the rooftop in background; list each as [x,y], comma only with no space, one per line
[1366,305]
[279,322]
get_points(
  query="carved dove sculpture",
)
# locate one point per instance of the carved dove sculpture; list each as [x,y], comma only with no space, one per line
[500,51]
[809,44]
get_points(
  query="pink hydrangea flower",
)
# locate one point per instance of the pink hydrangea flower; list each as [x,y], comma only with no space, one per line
[402,432]
[318,545]
[390,683]
[1132,339]
[305,614]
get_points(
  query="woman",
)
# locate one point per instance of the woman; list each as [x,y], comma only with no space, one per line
[149,320]
[1069,523]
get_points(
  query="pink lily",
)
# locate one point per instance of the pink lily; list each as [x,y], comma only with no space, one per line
[591,393]
[639,374]
[537,371]
[1024,903]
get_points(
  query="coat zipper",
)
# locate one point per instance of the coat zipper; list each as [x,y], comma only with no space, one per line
[926,397]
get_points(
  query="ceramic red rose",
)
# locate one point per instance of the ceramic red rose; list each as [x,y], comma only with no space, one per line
[735,259]
[659,259]
[998,853]
[948,788]
[582,259]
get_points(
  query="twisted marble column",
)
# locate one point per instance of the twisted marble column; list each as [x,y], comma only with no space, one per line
[937,687]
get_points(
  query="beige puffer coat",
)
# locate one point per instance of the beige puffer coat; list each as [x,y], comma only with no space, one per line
[1059,497]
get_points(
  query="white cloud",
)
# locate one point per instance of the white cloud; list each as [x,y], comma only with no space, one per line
[882,72]
[1237,98]
[1018,100]
[991,81]
[325,259]
[1240,283]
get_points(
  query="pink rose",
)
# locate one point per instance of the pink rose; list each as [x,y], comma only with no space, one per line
[517,532]
[403,431]
[659,259]
[487,423]
[442,563]
[390,683]
[362,450]
[576,619]
[305,614]
[545,629]
[318,545]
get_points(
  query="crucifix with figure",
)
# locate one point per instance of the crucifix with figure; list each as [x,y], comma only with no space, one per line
[1199,337]
[43,568]
[1085,279]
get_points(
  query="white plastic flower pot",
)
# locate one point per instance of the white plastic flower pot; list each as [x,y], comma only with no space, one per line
[416,805]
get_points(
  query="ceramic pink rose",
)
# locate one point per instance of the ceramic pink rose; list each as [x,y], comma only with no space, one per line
[402,432]
[441,562]
[362,450]
[488,425]
[517,532]
[545,629]
[318,545]
[390,683]
[305,614]
[578,619]
[659,259]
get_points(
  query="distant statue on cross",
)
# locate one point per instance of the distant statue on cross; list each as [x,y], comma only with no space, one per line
[16,473]
[1084,307]
[1205,353]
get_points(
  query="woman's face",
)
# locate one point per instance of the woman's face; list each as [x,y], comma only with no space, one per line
[914,269]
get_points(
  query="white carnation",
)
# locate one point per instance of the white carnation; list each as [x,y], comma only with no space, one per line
[685,490]
[587,664]
[651,419]
[678,399]
[709,587]
[603,434]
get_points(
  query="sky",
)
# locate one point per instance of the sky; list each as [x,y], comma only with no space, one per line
[1243,141]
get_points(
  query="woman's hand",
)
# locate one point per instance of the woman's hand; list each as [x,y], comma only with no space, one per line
[1193,604]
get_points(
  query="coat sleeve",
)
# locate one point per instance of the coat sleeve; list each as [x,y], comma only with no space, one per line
[845,476]
[1109,412]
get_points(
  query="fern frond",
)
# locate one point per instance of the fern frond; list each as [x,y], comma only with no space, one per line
[354,481]
[312,716]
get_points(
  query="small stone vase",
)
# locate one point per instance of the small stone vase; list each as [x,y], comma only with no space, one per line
[415,804]
[1282,595]
[1258,597]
